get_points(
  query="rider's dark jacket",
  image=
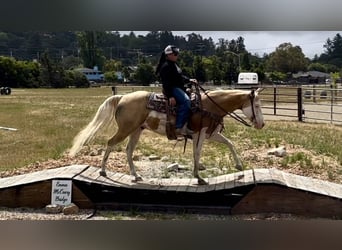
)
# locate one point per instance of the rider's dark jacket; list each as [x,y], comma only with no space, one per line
[172,77]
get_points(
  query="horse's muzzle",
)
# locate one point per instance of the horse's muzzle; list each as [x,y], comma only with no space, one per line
[259,125]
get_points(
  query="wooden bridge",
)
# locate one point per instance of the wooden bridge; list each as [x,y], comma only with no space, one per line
[245,192]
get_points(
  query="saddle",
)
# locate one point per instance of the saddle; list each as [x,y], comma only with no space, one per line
[159,103]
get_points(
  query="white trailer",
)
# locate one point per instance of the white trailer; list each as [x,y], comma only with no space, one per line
[248,78]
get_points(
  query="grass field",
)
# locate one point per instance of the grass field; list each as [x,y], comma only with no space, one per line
[48,119]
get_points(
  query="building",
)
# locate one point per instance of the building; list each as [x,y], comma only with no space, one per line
[92,74]
[311,77]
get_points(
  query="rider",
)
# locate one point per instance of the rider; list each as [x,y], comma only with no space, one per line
[173,87]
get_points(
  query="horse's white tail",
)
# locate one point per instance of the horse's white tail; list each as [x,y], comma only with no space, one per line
[103,117]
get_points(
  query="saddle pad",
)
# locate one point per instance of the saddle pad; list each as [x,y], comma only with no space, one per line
[157,102]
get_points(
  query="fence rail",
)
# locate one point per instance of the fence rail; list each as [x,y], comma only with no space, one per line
[304,103]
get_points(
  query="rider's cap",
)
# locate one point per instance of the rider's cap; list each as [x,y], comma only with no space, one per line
[171,49]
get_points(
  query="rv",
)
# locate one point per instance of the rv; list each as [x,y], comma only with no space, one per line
[248,78]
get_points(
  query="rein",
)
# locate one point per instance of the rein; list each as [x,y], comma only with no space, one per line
[231,114]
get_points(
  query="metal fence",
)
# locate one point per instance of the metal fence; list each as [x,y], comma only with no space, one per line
[304,103]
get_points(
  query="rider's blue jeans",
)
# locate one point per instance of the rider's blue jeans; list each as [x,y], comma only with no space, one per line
[183,107]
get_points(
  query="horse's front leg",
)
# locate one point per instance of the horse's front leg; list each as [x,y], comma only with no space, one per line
[218,137]
[197,140]
[132,143]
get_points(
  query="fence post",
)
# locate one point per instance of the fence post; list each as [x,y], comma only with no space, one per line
[113,90]
[331,102]
[300,104]
[274,100]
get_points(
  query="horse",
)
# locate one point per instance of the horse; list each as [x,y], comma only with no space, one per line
[132,116]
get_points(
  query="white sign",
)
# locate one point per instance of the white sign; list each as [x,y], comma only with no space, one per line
[61,192]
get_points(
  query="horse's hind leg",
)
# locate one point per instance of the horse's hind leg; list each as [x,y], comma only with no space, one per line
[117,138]
[132,142]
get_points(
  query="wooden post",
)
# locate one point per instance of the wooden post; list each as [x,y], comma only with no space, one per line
[274,100]
[114,90]
[300,111]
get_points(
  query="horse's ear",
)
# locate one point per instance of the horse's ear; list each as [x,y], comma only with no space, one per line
[259,90]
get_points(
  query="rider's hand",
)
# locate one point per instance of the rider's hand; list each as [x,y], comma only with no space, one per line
[172,101]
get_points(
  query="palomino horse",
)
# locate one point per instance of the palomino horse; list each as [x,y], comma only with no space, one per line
[132,117]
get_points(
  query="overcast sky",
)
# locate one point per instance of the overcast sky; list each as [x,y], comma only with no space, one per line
[261,42]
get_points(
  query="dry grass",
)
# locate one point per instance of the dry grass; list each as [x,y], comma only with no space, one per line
[46,119]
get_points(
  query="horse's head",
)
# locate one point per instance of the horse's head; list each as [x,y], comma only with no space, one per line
[252,109]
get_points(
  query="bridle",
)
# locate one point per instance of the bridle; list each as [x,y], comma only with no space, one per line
[233,114]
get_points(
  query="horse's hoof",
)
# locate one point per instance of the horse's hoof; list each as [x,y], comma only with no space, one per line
[202,182]
[239,167]
[103,173]
[137,178]
[201,167]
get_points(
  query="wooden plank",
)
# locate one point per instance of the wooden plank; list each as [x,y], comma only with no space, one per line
[244,178]
[85,175]
[202,188]
[281,199]
[11,181]
[320,187]
[334,190]
[71,171]
[34,195]
[302,182]
[80,199]
[165,183]
[262,175]
[230,181]
[67,172]
[172,185]
[126,180]
[116,177]
[183,184]
[220,183]
[211,184]
[151,183]
[193,185]
[277,176]
[291,181]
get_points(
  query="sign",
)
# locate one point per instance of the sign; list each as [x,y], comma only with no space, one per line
[61,192]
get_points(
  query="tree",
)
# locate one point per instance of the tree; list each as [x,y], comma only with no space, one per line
[92,55]
[333,51]
[317,67]
[52,74]
[200,73]
[277,76]
[112,65]
[214,72]
[18,74]
[145,74]
[287,58]
[110,76]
